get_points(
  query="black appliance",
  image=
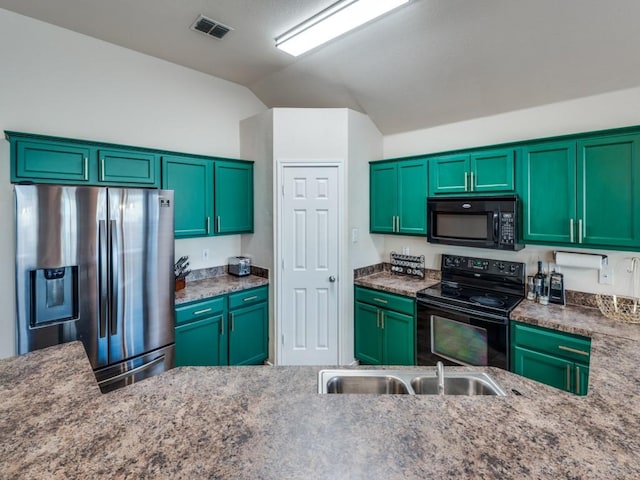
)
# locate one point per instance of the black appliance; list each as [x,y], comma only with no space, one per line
[486,222]
[464,320]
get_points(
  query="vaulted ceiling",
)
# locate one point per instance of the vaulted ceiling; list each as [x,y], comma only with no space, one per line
[429,63]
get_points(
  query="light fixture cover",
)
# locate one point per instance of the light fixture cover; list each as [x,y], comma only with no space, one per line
[336,20]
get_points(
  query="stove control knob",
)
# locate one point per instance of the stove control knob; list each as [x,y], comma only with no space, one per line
[513,268]
[501,266]
[456,261]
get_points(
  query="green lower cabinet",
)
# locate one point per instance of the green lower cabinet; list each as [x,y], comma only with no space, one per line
[384,336]
[201,343]
[398,338]
[368,335]
[215,331]
[554,358]
[248,335]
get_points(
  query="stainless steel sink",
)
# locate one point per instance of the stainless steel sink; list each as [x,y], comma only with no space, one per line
[366,384]
[411,382]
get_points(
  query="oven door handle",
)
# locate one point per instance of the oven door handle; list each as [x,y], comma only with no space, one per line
[488,317]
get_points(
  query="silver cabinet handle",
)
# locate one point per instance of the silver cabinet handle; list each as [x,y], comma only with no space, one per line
[471,182]
[208,225]
[377,318]
[221,325]
[86,168]
[382,319]
[573,350]
[376,299]
[568,377]
[465,181]
[102,169]
[578,380]
[398,224]
[218,224]
[332,279]
[200,312]
[579,230]
[571,239]
[248,299]
[231,322]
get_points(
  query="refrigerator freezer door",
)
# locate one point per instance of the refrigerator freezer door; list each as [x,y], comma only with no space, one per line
[140,232]
[56,228]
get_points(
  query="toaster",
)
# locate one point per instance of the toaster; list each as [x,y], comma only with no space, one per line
[240,266]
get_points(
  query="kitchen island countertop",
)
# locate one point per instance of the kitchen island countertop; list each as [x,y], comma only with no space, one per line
[269,422]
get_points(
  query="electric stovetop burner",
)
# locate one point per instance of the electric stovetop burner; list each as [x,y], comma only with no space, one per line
[488,300]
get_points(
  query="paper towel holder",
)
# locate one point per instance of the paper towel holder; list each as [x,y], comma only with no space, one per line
[604,258]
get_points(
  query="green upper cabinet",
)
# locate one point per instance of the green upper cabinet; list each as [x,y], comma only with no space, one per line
[483,171]
[125,167]
[190,179]
[583,192]
[233,197]
[398,197]
[49,161]
[40,159]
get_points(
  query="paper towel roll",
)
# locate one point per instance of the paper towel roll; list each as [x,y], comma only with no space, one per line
[579,260]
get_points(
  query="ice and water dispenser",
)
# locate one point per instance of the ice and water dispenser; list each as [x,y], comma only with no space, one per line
[54,295]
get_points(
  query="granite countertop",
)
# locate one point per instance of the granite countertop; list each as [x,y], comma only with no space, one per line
[398,284]
[218,285]
[269,422]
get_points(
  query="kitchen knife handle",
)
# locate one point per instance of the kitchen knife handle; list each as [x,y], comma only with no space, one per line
[579,230]
[102,263]
[465,181]
[114,277]
[571,239]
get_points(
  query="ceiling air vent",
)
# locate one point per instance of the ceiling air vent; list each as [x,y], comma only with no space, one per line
[210,27]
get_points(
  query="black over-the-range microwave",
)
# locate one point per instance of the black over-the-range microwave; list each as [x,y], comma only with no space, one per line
[485,222]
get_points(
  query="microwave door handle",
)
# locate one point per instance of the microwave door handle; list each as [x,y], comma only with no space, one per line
[496,231]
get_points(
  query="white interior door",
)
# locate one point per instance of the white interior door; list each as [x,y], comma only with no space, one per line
[309,240]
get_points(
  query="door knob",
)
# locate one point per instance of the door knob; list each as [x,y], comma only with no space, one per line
[332,279]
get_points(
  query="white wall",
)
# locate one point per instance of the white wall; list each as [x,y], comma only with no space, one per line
[611,110]
[57,82]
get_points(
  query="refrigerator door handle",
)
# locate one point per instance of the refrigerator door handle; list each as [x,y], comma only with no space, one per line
[128,373]
[102,265]
[115,248]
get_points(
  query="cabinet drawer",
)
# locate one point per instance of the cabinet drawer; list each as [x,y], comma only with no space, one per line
[552,342]
[386,300]
[203,309]
[248,297]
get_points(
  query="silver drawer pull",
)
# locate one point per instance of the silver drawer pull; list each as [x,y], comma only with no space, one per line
[380,300]
[200,312]
[573,350]
[248,299]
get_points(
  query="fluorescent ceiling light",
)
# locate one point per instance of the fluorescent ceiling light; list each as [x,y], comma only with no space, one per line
[336,20]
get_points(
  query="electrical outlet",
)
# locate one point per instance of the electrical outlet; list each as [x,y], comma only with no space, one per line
[354,235]
[605,275]
[205,254]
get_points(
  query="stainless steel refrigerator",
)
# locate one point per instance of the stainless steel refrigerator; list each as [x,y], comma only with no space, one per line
[96,265]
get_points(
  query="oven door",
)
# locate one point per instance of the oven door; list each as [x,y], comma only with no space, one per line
[460,337]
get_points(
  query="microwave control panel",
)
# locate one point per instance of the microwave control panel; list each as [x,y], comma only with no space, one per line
[507,228]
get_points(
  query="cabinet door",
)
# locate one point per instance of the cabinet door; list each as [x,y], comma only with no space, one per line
[50,162]
[609,191]
[233,197]
[547,369]
[493,171]
[412,197]
[398,338]
[383,207]
[581,379]
[449,174]
[248,335]
[549,192]
[191,180]
[201,343]
[122,167]
[368,334]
